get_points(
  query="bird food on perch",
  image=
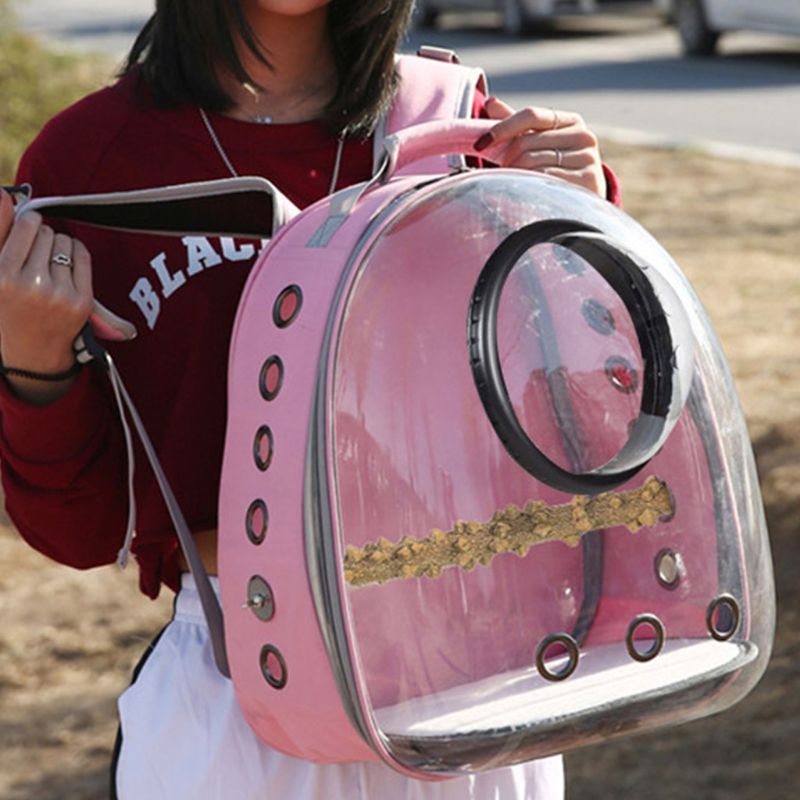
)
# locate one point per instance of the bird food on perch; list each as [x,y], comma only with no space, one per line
[510,530]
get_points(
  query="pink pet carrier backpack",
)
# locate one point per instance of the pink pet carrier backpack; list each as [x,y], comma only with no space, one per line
[487,491]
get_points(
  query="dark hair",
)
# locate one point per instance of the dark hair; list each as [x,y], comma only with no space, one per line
[182,46]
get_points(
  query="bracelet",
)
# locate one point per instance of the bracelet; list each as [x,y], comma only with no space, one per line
[52,377]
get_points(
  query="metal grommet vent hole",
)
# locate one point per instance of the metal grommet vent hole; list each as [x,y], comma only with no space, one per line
[645,628]
[257,521]
[287,306]
[723,617]
[270,379]
[669,568]
[273,666]
[568,261]
[598,317]
[260,599]
[263,446]
[557,656]
[622,375]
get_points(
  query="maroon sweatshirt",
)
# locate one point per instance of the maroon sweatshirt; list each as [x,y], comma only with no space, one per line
[64,465]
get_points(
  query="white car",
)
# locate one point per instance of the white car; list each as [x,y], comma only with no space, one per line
[700,22]
[517,15]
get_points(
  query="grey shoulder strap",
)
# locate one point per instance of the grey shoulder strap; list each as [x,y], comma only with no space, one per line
[88,349]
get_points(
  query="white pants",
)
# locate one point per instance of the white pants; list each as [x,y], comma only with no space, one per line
[183,736]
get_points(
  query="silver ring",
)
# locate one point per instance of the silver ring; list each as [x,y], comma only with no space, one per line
[62,260]
[559,157]
[555,119]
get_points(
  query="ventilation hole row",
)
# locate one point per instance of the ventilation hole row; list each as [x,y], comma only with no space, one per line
[260,598]
[619,371]
[557,655]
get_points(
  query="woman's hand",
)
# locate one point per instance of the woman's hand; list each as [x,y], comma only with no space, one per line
[546,140]
[45,299]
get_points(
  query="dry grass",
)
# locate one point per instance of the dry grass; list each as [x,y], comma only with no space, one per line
[35,83]
[735,230]
[69,640]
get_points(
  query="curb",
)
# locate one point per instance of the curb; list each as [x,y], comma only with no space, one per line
[735,152]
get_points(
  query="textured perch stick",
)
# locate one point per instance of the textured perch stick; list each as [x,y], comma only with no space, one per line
[509,530]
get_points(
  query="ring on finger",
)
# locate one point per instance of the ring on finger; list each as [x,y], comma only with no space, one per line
[62,259]
[555,119]
[559,157]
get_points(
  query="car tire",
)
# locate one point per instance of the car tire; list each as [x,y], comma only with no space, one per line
[697,38]
[515,21]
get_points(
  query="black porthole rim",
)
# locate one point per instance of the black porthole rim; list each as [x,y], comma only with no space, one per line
[573,651]
[274,682]
[273,360]
[485,362]
[656,625]
[278,320]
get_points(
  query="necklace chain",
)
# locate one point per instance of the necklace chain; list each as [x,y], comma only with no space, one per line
[224,156]
[215,139]
[261,119]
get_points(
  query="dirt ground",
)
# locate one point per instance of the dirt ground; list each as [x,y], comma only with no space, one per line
[68,640]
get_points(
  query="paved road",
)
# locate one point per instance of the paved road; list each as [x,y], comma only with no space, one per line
[106,26]
[624,74]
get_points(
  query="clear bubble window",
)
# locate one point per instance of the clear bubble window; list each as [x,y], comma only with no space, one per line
[469,583]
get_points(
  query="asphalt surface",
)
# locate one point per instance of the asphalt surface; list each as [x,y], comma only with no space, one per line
[627,77]
[624,73]
[106,26]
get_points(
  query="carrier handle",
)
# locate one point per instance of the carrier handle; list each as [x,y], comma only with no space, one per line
[438,138]
[247,207]
[253,207]
[657,317]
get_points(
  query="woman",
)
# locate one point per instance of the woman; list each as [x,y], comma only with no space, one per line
[287,89]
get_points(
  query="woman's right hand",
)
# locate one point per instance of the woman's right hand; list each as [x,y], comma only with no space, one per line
[43,304]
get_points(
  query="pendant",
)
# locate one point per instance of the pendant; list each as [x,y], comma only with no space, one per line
[262,119]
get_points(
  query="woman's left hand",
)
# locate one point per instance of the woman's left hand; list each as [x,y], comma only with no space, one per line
[546,140]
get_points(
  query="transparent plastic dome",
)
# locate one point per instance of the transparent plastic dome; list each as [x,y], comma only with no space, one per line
[549,528]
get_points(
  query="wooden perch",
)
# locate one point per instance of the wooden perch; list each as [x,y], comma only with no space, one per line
[512,530]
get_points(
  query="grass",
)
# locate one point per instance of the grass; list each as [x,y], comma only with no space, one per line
[35,83]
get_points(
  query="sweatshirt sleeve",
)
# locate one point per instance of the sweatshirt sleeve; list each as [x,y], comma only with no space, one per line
[64,464]
[63,472]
